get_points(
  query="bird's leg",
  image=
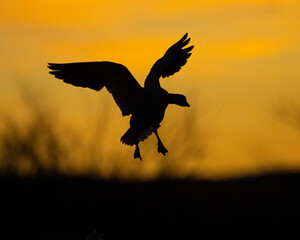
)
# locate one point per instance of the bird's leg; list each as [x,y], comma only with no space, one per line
[137,153]
[161,148]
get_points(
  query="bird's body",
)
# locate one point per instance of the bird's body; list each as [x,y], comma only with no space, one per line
[148,115]
[152,110]
[145,105]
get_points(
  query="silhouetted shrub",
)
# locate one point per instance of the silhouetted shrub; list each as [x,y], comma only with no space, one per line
[42,144]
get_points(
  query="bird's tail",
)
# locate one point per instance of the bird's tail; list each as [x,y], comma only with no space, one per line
[133,136]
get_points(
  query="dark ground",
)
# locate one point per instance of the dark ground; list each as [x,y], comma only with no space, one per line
[72,207]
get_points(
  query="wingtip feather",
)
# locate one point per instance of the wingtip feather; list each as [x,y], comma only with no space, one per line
[188,49]
[182,39]
[185,42]
[52,66]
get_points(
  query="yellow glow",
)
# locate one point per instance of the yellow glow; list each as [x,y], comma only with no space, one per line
[244,66]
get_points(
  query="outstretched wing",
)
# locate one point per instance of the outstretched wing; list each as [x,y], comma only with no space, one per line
[117,79]
[175,57]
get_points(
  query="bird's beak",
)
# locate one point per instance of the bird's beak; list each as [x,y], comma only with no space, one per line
[187,105]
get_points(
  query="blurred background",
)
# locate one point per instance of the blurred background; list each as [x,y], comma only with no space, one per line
[242,82]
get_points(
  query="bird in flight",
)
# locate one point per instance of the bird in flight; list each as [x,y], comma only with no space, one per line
[147,104]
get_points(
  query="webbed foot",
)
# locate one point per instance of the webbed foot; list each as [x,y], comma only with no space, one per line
[161,149]
[137,153]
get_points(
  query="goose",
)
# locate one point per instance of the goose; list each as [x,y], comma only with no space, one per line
[147,104]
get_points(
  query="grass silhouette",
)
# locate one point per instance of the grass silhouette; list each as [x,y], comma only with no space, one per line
[41,198]
[41,144]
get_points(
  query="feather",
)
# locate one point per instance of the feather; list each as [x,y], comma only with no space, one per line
[172,61]
[117,79]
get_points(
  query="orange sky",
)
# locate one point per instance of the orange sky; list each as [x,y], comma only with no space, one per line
[245,65]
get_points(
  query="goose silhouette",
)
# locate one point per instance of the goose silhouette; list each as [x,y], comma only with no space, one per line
[147,104]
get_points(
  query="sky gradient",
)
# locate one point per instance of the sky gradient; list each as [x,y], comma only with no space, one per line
[242,79]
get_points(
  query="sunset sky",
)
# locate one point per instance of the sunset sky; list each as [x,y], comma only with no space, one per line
[242,80]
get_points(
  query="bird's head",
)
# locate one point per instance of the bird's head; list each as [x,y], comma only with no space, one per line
[179,99]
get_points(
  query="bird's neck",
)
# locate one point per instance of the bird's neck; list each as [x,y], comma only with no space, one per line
[173,98]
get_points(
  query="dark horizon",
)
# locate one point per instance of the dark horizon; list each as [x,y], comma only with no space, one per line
[49,207]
